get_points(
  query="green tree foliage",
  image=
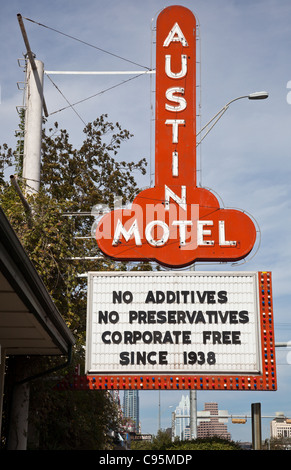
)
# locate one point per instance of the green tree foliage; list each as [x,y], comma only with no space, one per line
[72,181]
[162,441]
[91,174]
[277,443]
[72,420]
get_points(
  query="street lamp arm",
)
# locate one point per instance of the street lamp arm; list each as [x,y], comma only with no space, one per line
[215,119]
[258,95]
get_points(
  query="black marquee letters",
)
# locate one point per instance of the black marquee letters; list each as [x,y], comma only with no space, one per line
[171,336]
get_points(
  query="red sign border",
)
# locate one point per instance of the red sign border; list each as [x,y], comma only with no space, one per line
[267,380]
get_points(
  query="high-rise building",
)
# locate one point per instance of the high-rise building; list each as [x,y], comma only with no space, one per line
[131,407]
[210,421]
[280,426]
[182,424]
[212,425]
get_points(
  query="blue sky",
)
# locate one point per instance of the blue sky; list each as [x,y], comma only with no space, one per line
[245,47]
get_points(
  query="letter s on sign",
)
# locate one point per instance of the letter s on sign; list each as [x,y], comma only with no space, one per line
[182,103]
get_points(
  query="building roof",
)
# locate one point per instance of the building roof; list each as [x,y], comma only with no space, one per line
[30,323]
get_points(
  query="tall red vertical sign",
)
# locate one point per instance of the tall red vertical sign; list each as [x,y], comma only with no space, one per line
[175,157]
[176,223]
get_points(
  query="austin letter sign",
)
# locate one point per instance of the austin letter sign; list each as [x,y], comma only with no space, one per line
[175,222]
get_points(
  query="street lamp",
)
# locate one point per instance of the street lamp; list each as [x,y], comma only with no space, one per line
[258,95]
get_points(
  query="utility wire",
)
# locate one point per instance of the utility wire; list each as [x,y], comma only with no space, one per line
[86,43]
[69,104]
[92,96]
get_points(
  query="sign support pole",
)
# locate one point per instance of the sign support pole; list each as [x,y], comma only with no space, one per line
[193,414]
[256,426]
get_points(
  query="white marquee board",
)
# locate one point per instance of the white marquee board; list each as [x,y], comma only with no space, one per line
[173,322]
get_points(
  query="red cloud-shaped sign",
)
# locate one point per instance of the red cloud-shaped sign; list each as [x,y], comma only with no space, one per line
[176,230]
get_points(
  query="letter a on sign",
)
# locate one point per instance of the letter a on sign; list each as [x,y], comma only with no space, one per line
[175,35]
[176,223]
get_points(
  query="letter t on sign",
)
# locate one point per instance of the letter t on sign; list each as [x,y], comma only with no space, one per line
[175,152]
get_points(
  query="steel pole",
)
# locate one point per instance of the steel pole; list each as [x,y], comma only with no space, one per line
[193,414]
[33,127]
[256,426]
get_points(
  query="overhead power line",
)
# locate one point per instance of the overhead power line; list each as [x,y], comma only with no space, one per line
[69,104]
[89,97]
[86,43]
